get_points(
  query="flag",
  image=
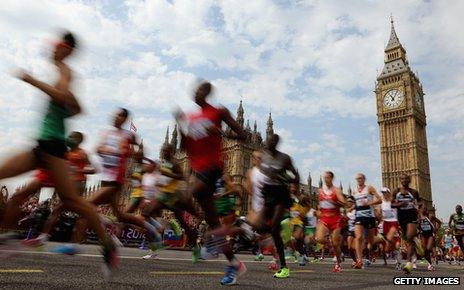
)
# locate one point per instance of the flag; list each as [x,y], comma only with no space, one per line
[132,127]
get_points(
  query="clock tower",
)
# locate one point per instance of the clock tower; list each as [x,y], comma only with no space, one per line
[402,122]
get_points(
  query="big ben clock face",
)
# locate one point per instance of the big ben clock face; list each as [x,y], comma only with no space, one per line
[418,100]
[393,99]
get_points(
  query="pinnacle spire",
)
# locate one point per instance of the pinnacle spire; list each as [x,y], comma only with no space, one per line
[320,181]
[255,127]
[248,128]
[270,126]
[393,41]
[166,138]
[240,113]
[174,138]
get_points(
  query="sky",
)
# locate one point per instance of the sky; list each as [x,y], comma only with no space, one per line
[313,64]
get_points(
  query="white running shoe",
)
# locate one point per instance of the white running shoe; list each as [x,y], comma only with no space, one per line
[151,255]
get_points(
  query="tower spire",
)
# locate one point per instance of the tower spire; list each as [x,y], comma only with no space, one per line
[166,138]
[240,114]
[320,181]
[270,126]
[174,138]
[393,41]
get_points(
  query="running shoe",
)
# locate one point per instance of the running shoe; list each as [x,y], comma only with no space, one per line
[33,243]
[407,268]
[296,256]
[303,261]
[232,272]
[337,268]
[398,266]
[315,260]
[151,255]
[110,256]
[196,253]
[367,263]
[273,266]
[414,265]
[259,257]
[358,265]
[430,268]
[65,250]
[353,265]
[282,273]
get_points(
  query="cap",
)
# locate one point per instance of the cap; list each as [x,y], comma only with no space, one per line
[385,190]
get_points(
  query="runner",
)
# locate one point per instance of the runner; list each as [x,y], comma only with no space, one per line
[168,195]
[390,225]
[51,149]
[298,215]
[405,200]
[115,149]
[456,223]
[310,233]
[80,167]
[201,136]
[427,233]
[365,198]
[447,242]
[136,198]
[351,215]
[331,199]
[274,165]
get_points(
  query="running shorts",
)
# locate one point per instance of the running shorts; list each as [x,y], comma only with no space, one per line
[276,195]
[332,222]
[388,225]
[111,184]
[366,222]
[406,217]
[209,178]
[56,148]
[309,232]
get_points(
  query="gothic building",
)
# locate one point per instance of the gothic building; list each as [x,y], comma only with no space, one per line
[237,154]
[402,122]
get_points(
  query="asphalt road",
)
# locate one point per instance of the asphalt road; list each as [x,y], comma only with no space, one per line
[29,269]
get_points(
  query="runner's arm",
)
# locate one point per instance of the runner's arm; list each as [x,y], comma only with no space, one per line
[450,222]
[340,197]
[291,168]
[60,93]
[377,198]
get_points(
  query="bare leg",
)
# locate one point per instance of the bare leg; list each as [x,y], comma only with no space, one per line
[410,234]
[70,198]
[336,242]
[18,164]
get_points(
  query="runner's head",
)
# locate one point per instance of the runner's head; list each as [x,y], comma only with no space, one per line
[306,201]
[328,178]
[405,180]
[360,179]
[349,201]
[423,209]
[120,117]
[166,152]
[64,47]
[75,139]
[202,92]
[459,209]
[272,142]
[256,158]
[386,193]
